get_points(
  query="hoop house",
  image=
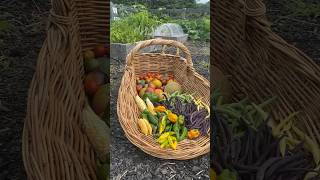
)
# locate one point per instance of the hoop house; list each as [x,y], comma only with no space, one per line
[171,31]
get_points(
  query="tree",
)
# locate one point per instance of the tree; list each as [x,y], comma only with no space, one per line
[204,5]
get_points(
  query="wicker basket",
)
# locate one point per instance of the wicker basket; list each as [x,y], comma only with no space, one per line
[261,64]
[54,145]
[191,81]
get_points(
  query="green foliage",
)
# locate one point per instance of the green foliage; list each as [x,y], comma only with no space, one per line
[122,33]
[205,5]
[125,11]
[197,29]
[152,4]
[302,8]
[188,13]
[137,24]
[135,27]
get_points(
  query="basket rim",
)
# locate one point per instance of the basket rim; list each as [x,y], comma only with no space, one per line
[158,41]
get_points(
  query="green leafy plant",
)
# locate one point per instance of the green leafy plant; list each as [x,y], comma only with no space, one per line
[197,29]
[137,24]
[122,33]
[160,4]
[135,27]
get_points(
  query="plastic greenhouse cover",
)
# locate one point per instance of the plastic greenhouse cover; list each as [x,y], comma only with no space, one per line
[169,30]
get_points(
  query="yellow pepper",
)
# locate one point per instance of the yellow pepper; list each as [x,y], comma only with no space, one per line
[163,137]
[172,117]
[174,145]
[160,109]
[168,140]
[164,144]
[162,124]
[173,138]
[193,133]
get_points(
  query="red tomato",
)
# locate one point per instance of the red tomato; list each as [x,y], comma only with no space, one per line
[149,89]
[92,82]
[164,82]
[139,87]
[100,51]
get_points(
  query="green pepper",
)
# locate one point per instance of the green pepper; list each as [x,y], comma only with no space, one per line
[183,134]
[153,97]
[168,128]
[176,129]
[154,128]
[142,82]
[181,119]
[151,118]
[144,115]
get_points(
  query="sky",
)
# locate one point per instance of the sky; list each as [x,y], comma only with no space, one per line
[202,1]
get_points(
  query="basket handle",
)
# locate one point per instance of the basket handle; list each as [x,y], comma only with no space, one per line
[163,42]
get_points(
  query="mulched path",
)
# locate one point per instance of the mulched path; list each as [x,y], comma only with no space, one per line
[296,28]
[19,48]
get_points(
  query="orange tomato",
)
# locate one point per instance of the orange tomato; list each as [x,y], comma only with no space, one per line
[148,79]
[151,85]
[170,80]
[149,74]
[158,76]
[159,93]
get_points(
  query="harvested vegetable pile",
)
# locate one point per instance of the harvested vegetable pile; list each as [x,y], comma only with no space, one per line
[168,114]
[250,147]
[96,120]
[97,81]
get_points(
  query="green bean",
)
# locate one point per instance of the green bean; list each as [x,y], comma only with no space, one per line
[309,143]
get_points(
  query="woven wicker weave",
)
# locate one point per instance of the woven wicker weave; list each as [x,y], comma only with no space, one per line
[262,64]
[191,81]
[54,145]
